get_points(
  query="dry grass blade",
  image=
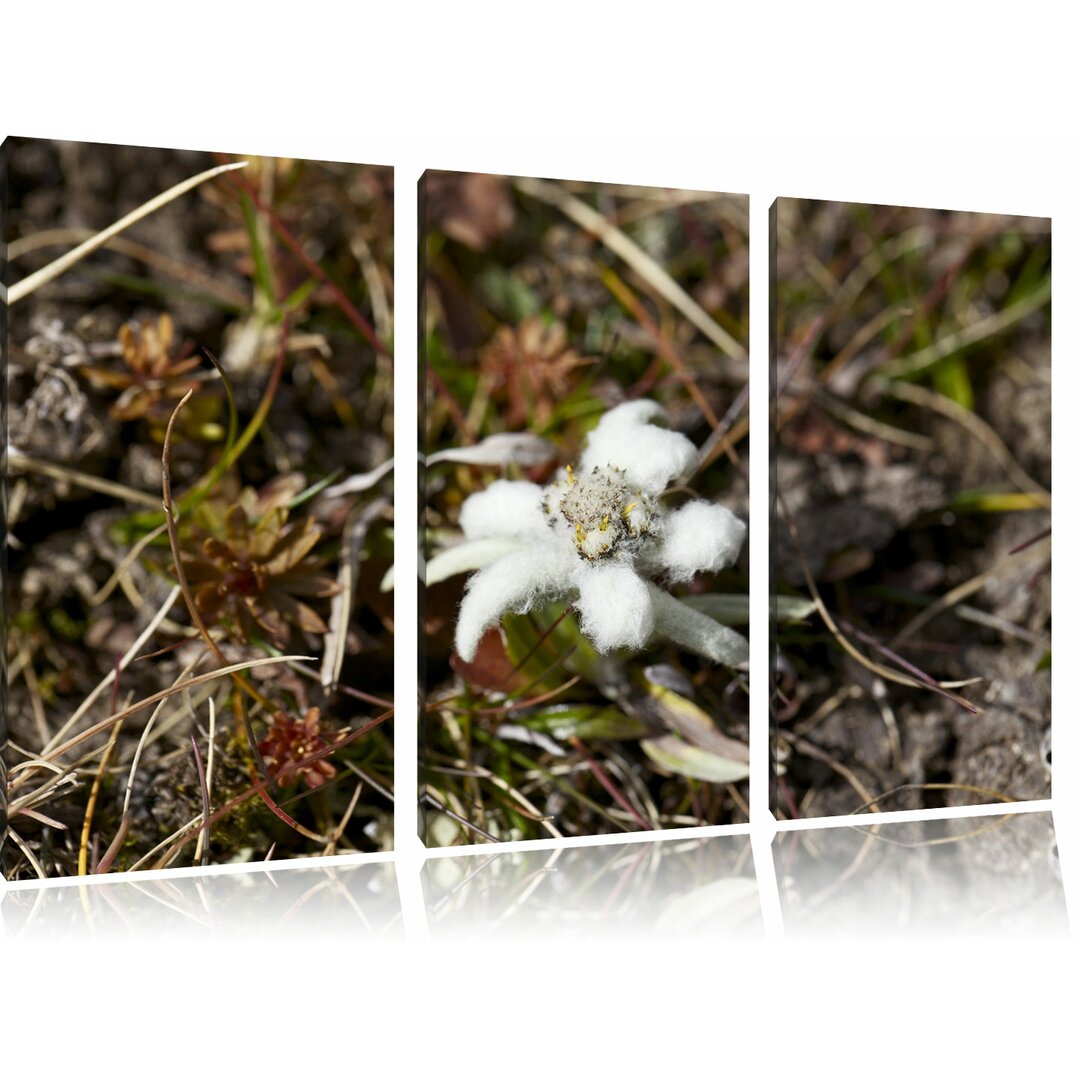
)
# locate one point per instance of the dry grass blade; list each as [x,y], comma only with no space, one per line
[975,425]
[41,818]
[210,738]
[892,656]
[875,427]
[341,603]
[200,679]
[981,791]
[727,434]
[54,269]
[627,298]
[808,748]
[283,816]
[638,260]
[35,864]
[335,835]
[862,337]
[21,462]
[617,795]
[180,271]
[370,780]
[91,804]
[432,800]
[126,562]
[802,352]
[202,846]
[516,795]
[914,239]
[381,308]
[58,776]
[173,844]
[969,587]
[145,735]
[115,846]
[906,366]
[120,667]
[881,671]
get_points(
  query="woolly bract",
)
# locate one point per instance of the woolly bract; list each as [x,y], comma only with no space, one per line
[595,537]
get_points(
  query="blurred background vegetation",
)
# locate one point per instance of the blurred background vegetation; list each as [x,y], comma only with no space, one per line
[284,271]
[911,456]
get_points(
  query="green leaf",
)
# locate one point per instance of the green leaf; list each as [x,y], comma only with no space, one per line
[951,380]
[991,501]
[726,609]
[507,294]
[585,721]
[790,608]
[264,276]
[674,754]
[735,609]
[696,730]
[299,296]
[564,646]
[697,632]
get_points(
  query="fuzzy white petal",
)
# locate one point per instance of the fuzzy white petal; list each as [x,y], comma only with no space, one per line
[527,450]
[507,508]
[357,483]
[515,582]
[699,538]
[651,456]
[697,632]
[615,606]
[467,556]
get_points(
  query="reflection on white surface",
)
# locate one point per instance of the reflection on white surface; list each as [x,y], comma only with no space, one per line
[358,899]
[701,887]
[975,876]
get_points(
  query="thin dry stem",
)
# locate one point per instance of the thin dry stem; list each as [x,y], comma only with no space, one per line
[120,667]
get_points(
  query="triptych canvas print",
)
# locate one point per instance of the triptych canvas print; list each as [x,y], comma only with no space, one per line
[200,536]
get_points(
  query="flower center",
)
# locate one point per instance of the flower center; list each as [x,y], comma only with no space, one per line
[605,514]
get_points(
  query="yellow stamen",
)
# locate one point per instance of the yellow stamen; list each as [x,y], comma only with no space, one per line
[570,475]
[580,533]
[629,509]
[603,524]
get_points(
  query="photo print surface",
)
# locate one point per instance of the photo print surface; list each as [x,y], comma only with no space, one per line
[199,508]
[585,508]
[910,552]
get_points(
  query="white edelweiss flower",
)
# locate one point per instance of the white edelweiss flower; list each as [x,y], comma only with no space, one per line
[595,536]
